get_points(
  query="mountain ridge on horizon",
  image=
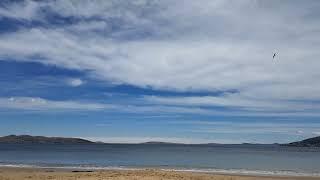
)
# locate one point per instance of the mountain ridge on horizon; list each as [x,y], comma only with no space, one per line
[28,139]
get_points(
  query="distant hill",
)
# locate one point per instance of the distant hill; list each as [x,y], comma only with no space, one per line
[158,142]
[311,142]
[26,139]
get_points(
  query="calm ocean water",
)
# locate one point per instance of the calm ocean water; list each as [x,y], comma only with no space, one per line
[248,159]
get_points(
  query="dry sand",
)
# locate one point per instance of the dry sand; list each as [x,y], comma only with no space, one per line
[46,174]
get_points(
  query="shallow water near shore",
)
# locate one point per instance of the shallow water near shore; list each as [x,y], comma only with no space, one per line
[238,159]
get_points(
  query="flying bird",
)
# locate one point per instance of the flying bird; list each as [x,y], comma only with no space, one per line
[274,55]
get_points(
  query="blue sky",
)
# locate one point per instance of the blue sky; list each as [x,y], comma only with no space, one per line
[177,71]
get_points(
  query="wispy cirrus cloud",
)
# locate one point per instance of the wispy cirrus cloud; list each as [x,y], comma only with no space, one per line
[40,104]
[46,105]
[237,101]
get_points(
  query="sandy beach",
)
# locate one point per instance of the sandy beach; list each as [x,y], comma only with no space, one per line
[148,174]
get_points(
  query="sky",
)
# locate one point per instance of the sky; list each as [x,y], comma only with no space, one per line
[160,70]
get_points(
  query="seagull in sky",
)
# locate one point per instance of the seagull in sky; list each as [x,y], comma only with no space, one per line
[274,55]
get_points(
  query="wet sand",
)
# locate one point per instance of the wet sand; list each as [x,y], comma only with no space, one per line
[148,174]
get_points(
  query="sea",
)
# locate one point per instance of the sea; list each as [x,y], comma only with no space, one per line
[231,159]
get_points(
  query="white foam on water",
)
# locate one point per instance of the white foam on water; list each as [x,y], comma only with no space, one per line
[247,172]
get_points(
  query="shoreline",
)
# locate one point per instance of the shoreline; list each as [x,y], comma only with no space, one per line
[245,172]
[17,173]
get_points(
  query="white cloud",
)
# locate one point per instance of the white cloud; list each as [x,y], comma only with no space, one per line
[75,82]
[40,104]
[316,133]
[300,132]
[183,46]
[24,10]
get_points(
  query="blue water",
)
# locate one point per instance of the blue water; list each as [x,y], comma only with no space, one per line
[224,158]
